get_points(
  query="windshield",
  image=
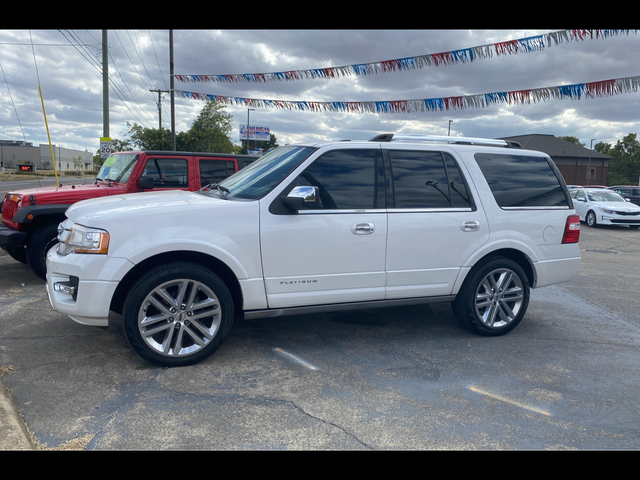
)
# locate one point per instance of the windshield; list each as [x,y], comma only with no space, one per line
[117,168]
[259,178]
[605,196]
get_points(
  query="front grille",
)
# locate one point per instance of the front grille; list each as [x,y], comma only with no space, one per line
[625,221]
[9,209]
[627,213]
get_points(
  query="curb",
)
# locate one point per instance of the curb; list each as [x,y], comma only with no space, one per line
[13,431]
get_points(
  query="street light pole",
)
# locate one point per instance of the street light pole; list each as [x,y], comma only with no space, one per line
[589,165]
[173,114]
[248,110]
[449,134]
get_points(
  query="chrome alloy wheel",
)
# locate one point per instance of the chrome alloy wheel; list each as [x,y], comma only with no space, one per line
[179,317]
[498,298]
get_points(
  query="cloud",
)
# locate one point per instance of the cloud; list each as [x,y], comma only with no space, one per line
[68,66]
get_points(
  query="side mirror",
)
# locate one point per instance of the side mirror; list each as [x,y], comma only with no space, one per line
[627,199]
[301,198]
[146,183]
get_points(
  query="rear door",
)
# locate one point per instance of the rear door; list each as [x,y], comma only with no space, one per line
[434,224]
[215,170]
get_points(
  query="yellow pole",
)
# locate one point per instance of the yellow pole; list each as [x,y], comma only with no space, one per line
[55,172]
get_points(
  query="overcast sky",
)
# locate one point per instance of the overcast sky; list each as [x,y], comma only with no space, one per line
[68,72]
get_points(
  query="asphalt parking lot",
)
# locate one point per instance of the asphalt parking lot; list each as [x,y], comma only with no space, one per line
[398,378]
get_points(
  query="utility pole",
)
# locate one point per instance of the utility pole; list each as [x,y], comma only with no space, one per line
[159,106]
[105,85]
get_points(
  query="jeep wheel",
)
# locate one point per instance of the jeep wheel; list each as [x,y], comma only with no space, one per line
[178,314]
[38,246]
[591,219]
[17,253]
[493,298]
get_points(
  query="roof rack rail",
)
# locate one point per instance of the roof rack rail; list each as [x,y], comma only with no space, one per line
[388,137]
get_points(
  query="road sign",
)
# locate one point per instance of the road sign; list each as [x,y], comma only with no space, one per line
[105,147]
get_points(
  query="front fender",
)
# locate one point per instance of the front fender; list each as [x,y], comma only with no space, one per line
[35,211]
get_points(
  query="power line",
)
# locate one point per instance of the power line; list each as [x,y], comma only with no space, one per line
[158,61]
[139,55]
[116,88]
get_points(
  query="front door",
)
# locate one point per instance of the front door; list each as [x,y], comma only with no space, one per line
[334,254]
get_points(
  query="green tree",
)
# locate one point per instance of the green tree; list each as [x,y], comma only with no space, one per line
[208,133]
[121,145]
[624,167]
[603,148]
[575,140]
[77,162]
[271,144]
[141,138]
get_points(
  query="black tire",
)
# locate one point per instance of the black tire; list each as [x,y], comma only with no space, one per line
[38,246]
[201,307]
[17,253]
[590,219]
[494,298]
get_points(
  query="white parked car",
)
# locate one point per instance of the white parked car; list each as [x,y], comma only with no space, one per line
[605,207]
[321,227]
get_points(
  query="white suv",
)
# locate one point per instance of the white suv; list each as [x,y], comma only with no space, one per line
[321,227]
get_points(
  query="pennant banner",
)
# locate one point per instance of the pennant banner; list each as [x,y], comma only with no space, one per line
[604,88]
[511,47]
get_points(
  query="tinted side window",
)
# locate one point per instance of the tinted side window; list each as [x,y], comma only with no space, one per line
[427,180]
[214,171]
[346,179]
[167,172]
[522,181]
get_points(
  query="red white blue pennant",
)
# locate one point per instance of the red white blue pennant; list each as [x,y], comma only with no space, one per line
[511,47]
[604,88]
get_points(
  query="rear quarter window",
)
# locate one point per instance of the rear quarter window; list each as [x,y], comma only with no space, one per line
[522,181]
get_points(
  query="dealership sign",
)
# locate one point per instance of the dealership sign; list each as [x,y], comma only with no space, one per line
[255,133]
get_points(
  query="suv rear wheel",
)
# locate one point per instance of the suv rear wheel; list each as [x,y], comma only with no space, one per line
[493,298]
[177,314]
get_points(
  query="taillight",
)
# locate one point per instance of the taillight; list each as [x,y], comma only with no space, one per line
[10,206]
[571,229]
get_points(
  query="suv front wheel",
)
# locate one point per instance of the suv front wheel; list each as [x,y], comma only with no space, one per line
[177,314]
[493,298]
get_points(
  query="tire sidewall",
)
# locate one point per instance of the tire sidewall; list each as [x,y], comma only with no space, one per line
[38,246]
[158,276]
[591,219]
[464,306]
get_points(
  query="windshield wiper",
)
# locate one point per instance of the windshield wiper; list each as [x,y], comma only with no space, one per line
[217,186]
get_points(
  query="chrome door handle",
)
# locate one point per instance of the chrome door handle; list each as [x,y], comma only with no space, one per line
[363,228]
[470,226]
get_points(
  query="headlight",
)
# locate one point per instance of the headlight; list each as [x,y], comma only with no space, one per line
[606,210]
[78,239]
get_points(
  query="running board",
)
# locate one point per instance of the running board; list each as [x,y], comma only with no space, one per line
[339,307]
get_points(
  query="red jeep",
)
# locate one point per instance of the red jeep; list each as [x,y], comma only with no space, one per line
[30,217]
